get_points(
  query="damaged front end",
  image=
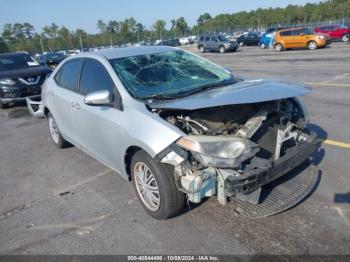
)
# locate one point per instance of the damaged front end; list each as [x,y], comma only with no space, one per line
[234,150]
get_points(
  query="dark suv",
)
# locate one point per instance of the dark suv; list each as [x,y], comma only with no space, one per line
[21,76]
[217,43]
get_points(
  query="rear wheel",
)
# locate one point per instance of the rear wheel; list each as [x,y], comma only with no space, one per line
[55,133]
[278,47]
[3,105]
[241,44]
[312,45]
[222,49]
[155,187]
[202,49]
[263,46]
[345,38]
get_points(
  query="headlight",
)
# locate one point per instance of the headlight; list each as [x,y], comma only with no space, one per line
[7,81]
[320,36]
[227,45]
[303,108]
[219,151]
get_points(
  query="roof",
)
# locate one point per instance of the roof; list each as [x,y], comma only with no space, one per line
[131,51]
[14,54]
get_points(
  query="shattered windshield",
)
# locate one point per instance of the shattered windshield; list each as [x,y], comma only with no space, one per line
[168,74]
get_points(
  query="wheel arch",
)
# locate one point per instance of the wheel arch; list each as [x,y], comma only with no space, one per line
[129,153]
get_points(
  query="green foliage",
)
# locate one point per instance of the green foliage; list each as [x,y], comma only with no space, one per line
[18,36]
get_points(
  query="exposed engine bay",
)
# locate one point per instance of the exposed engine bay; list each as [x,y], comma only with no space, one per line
[233,150]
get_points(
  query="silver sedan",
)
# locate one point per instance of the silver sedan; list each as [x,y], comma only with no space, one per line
[177,125]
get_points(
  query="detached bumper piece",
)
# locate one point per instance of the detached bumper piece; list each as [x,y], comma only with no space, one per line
[281,194]
[35,107]
[261,172]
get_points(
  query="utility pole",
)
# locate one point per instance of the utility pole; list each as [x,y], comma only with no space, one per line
[81,43]
[41,44]
[258,24]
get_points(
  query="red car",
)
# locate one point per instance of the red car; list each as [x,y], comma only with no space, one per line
[335,31]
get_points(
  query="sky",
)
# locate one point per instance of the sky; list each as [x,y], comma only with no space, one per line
[85,13]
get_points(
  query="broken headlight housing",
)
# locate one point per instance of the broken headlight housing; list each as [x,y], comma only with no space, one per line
[219,151]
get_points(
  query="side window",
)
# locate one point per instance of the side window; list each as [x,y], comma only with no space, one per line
[296,32]
[69,74]
[207,38]
[94,77]
[286,33]
[201,38]
[214,39]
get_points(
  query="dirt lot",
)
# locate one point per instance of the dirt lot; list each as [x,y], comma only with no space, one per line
[64,202]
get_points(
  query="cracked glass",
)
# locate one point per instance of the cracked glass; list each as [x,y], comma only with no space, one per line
[166,74]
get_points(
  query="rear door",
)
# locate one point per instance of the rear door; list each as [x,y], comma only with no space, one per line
[62,94]
[214,43]
[98,127]
[287,38]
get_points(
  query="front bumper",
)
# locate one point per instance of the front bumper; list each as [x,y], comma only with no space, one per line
[18,99]
[18,93]
[258,176]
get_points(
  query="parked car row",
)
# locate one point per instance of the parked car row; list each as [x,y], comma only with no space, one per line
[280,38]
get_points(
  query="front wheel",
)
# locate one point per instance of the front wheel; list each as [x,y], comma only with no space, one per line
[345,38]
[155,187]
[222,49]
[202,49]
[55,133]
[263,46]
[241,44]
[312,45]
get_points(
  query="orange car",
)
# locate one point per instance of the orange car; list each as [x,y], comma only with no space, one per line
[300,38]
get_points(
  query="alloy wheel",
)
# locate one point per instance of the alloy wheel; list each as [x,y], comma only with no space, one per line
[312,45]
[146,186]
[54,130]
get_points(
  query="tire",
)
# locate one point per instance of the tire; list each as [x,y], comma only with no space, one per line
[202,49]
[222,49]
[279,47]
[345,38]
[55,133]
[312,45]
[263,46]
[170,201]
[3,105]
[241,44]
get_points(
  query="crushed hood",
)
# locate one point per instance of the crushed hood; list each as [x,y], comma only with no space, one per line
[244,92]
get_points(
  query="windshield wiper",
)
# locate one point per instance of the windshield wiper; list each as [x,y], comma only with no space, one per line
[191,92]
[160,97]
[205,87]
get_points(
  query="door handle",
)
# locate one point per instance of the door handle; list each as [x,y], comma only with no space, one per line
[51,93]
[75,105]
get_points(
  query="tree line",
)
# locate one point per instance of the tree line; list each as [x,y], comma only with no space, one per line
[23,36]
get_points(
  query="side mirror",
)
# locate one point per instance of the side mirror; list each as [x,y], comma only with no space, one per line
[98,98]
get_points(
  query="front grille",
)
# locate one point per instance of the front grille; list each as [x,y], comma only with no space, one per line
[10,95]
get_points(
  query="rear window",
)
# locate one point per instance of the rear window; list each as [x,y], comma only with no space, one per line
[16,61]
